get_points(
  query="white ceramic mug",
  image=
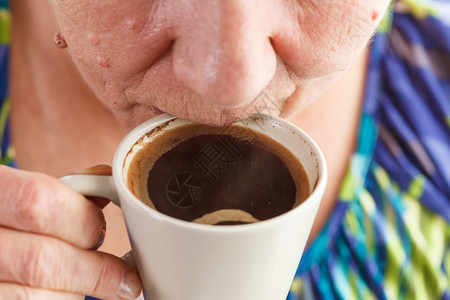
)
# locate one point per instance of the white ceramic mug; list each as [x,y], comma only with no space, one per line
[179,260]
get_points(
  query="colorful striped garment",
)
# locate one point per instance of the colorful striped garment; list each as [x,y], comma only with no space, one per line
[6,150]
[388,237]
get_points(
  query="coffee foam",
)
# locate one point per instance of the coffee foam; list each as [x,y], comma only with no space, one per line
[156,144]
[226,215]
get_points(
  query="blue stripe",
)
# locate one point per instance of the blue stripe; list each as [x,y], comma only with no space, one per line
[4,69]
[4,4]
[429,32]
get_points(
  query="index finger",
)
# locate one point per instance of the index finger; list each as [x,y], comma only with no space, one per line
[47,263]
[38,203]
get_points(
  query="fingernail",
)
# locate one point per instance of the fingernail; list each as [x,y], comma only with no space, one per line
[130,287]
[129,258]
[101,239]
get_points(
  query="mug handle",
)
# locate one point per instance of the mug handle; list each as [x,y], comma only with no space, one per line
[100,186]
[93,185]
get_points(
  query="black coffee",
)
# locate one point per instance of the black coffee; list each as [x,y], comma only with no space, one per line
[218,176]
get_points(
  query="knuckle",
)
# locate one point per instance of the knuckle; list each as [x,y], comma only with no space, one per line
[104,279]
[31,205]
[37,265]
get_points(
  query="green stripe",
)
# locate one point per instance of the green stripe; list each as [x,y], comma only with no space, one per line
[427,232]
[382,178]
[360,287]
[417,186]
[395,258]
[296,286]
[4,113]
[447,262]
[346,193]
[422,9]
[386,23]
[10,155]
[417,289]
[4,26]
[368,206]
[395,255]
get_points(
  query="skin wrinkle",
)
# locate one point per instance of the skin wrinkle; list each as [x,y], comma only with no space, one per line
[314,35]
[291,106]
[130,105]
[121,50]
[143,63]
[304,67]
[224,118]
[128,90]
[288,85]
[184,103]
[141,74]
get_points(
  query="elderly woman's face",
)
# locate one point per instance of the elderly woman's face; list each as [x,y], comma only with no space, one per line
[213,61]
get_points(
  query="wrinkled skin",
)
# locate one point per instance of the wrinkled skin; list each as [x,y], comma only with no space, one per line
[212,62]
[207,61]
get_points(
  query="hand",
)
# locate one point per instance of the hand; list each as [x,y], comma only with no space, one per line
[48,237]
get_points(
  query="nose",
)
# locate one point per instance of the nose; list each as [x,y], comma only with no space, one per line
[222,50]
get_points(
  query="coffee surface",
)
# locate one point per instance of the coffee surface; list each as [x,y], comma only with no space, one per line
[218,176]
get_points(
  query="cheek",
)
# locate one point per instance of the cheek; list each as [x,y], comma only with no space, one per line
[326,38]
[113,48]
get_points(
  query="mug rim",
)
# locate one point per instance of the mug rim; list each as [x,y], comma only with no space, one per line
[138,132]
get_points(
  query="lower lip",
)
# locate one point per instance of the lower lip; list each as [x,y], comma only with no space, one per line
[155,110]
